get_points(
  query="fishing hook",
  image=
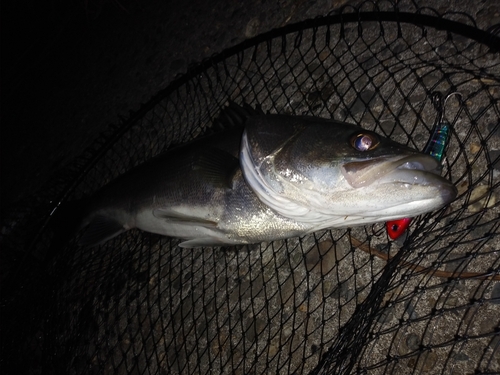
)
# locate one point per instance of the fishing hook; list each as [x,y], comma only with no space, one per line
[440,104]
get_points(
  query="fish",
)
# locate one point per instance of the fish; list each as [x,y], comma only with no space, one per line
[435,147]
[267,177]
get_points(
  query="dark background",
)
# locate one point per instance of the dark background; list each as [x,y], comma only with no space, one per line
[69,68]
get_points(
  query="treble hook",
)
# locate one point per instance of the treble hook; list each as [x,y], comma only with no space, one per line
[439,136]
[440,104]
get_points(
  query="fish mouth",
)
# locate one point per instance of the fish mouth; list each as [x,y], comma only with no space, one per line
[417,169]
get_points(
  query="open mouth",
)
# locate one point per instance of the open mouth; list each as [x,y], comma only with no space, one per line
[417,169]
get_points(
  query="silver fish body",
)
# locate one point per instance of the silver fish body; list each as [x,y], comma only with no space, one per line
[281,176]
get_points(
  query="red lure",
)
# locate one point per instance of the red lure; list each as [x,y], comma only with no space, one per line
[396,228]
[435,147]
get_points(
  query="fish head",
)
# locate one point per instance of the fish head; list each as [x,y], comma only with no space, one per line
[334,174]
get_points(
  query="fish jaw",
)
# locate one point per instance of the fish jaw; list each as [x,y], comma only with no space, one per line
[366,172]
[413,182]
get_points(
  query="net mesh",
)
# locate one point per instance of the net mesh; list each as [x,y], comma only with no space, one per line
[336,301]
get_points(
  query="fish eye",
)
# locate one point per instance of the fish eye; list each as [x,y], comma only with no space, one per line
[364,141]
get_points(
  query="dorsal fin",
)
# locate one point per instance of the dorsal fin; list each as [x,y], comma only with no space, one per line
[235,115]
[216,167]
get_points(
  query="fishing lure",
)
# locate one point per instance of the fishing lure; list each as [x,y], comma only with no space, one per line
[435,147]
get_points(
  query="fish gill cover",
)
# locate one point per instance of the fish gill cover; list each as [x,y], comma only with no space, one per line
[333,302]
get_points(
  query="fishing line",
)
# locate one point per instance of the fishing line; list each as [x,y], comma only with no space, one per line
[426,270]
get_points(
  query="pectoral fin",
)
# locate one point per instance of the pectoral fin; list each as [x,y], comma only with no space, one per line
[185,219]
[199,242]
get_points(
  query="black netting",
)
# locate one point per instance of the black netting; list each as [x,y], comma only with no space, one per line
[339,301]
